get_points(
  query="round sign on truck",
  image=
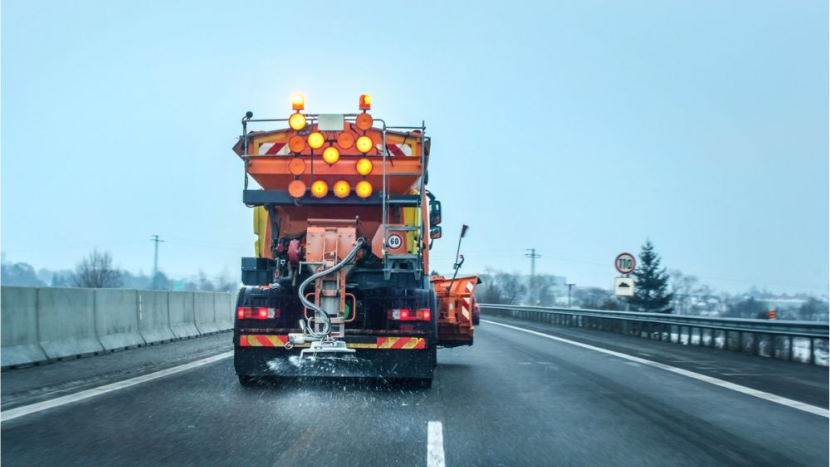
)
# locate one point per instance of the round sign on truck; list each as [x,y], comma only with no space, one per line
[625,263]
[394,241]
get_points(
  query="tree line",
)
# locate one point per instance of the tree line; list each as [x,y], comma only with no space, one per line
[657,290]
[97,270]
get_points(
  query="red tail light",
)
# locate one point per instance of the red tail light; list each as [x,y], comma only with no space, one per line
[245,312]
[405,314]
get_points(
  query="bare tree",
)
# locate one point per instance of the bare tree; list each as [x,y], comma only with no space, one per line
[96,271]
[683,288]
[512,287]
[488,291]
[224,282]
[546,286]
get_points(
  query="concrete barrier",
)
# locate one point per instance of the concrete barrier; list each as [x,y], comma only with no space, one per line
[41,324]
[19,319]
[203,303]
[224,306]
[182,317]
[66,322]
[154,316]
[116,318]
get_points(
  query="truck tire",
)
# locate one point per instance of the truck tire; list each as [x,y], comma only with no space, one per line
[248,381]
[422,383]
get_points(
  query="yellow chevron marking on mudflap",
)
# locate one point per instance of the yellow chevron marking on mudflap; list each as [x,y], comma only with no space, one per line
[358,345]
[388,343]
[413,342]
[257,341]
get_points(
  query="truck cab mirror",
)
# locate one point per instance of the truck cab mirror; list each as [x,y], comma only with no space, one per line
[434,212]
[435,232]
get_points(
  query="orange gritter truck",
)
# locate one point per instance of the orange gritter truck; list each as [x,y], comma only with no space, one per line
[339,284]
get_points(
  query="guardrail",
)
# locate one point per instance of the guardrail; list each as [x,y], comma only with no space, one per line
[802,341]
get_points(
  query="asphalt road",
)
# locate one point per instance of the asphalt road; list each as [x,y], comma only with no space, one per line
[513,399]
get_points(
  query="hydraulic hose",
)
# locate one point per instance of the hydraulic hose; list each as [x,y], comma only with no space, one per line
[317,310]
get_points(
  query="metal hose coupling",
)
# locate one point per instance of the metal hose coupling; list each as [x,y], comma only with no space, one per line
[307,326]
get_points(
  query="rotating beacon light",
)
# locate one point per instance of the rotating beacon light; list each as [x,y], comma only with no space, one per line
[364,121]
[297,120]
[298,102]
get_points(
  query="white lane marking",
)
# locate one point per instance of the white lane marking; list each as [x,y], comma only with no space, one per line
[89,393]
[435,444]
[706,379]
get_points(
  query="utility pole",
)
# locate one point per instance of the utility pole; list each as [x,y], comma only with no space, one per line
[570,286]
[532,255]
[157,240]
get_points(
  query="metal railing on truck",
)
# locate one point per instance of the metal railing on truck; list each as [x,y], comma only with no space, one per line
[786,340]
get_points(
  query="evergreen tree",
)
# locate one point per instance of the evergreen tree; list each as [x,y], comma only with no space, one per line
[650,284]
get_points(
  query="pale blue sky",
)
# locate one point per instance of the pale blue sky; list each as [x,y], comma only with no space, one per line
[577,128]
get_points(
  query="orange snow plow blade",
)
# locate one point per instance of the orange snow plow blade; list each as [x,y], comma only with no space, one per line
[455,315]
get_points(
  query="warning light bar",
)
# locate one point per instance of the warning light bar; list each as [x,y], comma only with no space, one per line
[405,314]
[245,312]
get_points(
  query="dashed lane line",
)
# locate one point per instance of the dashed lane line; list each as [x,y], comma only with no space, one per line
[435,444]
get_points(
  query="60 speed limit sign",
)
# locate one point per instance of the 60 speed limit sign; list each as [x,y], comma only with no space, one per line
[394,241]
[625,263]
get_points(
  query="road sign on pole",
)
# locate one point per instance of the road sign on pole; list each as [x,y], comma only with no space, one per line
[624,286]
[625,263]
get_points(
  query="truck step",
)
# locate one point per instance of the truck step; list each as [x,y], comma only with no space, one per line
[402,257]
[404,200]
[409,271]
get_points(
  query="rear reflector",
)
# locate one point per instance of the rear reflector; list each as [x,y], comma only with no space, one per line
[245,312]
[405,314]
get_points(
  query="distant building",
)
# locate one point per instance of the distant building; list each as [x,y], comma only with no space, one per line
[559,286]
[783,304]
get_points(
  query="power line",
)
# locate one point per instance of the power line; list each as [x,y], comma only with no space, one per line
[532,255]
[157,240]
[570,286]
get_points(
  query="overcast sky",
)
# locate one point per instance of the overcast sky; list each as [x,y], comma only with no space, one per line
[576,128]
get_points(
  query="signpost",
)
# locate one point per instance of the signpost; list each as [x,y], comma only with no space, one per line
[625,263]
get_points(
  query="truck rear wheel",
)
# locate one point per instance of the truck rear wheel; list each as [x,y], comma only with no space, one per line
[422,383]
[248,381]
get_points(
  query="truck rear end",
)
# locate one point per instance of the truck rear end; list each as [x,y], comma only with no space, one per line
[339,284]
